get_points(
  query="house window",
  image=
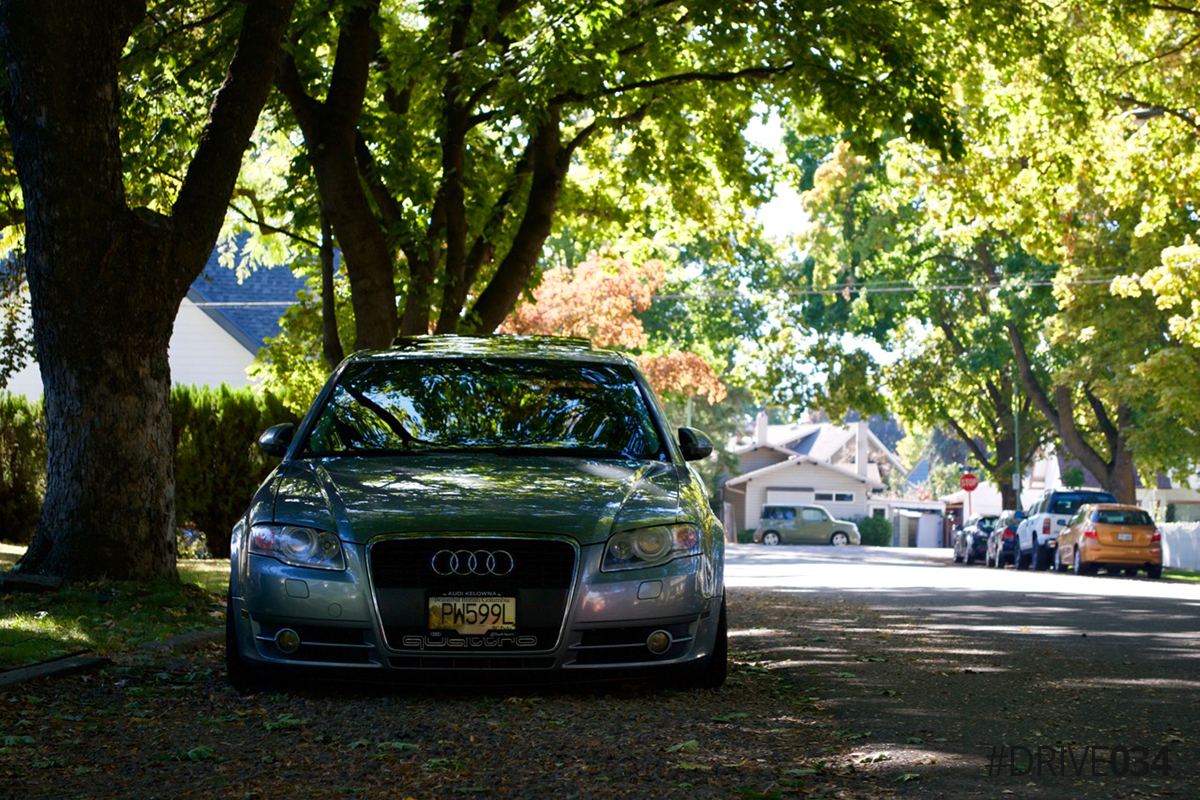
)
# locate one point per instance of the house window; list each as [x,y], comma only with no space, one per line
[878,512]
[844,497]
[825,496]
[838,497]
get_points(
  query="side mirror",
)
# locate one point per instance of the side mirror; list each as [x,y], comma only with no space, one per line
[276,439]
[694,444]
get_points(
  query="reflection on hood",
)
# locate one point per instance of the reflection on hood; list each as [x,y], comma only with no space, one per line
[585,499]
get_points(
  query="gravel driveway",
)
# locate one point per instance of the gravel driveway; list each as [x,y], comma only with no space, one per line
[847,691]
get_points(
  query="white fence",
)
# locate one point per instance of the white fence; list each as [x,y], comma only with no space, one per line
[1181,544]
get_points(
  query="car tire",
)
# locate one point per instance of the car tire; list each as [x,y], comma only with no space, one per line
[839,539]
[1059,566]
[1154,571]
[957,557]
[711,672]
[970,559]
[1082,567]
[1023,560]
[771,538]
[241,676]
[1041,558]
[1130,572]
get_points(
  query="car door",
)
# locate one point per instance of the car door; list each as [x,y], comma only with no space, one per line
[815,526]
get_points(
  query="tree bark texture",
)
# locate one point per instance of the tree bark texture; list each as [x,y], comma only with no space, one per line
[106,280]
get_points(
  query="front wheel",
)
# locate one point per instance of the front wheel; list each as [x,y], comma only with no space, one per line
[710,673]
[1023,560]
[1154,571]
[839,539]
[770,538]
[240,675]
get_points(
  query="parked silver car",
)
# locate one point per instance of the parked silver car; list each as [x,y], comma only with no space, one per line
[456,506]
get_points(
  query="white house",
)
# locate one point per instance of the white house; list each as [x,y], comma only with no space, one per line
[839,467]
[219,329]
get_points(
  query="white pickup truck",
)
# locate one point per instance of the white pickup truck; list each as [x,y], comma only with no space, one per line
[1037,535]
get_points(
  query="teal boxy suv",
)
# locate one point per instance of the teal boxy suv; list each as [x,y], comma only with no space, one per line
[455,507]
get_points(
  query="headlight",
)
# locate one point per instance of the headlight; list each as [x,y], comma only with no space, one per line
[300,547]
[649,547]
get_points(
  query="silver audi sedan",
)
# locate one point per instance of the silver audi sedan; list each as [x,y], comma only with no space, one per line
[515,506]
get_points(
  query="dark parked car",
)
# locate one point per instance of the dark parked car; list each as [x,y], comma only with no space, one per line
[461,509]
[970,541]
[1002,541]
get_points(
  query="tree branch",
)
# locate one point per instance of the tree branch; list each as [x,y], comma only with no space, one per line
[200,207]
[750,73]
[267,227]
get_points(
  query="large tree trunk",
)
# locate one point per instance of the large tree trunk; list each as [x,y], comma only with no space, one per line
[105,281]
[109,508]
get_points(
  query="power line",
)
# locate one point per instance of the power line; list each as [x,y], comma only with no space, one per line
[890,287]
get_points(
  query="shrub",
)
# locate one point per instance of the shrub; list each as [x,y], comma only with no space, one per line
[217,463]
[875,531]
[745,536]
[22,466]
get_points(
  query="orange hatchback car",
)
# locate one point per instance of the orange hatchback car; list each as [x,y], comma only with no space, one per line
[1116,537]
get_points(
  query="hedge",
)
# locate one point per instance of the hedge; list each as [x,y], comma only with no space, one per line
[217,463]
[875,531]
[22,467]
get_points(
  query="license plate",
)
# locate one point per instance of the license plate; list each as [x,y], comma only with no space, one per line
[473,615]
[1124,537]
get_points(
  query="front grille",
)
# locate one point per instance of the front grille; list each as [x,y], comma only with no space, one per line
[471,662]
[541,579]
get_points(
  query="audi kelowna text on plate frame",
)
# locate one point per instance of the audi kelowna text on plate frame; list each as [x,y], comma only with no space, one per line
[510,505]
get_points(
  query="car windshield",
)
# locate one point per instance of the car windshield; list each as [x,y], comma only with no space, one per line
[485,404]
[1070,503]
[1122,516]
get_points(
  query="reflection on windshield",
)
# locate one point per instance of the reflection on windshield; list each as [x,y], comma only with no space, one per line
[494,404]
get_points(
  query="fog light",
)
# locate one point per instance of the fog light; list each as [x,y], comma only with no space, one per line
[658,642]
[287,640]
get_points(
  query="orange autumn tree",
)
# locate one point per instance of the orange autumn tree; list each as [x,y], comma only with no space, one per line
[599,299]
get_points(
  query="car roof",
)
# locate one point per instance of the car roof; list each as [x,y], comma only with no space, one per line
[554,348]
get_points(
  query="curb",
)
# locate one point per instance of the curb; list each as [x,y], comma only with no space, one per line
[56,667]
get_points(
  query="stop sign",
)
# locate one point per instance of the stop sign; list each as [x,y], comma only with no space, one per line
[968,481]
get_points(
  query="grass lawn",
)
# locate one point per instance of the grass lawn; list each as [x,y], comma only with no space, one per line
[1181,575]
[107,616]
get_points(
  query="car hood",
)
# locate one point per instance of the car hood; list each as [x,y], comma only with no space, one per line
[587,499]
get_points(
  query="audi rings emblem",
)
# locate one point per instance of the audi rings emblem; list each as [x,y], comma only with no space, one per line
[472,562]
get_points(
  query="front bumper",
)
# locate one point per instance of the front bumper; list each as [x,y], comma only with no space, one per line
[365,623]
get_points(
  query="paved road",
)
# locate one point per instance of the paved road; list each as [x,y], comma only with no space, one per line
[935,666]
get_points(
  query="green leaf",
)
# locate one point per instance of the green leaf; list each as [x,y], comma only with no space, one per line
[285,722]
[200,753]
[908,776]
[690,746]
